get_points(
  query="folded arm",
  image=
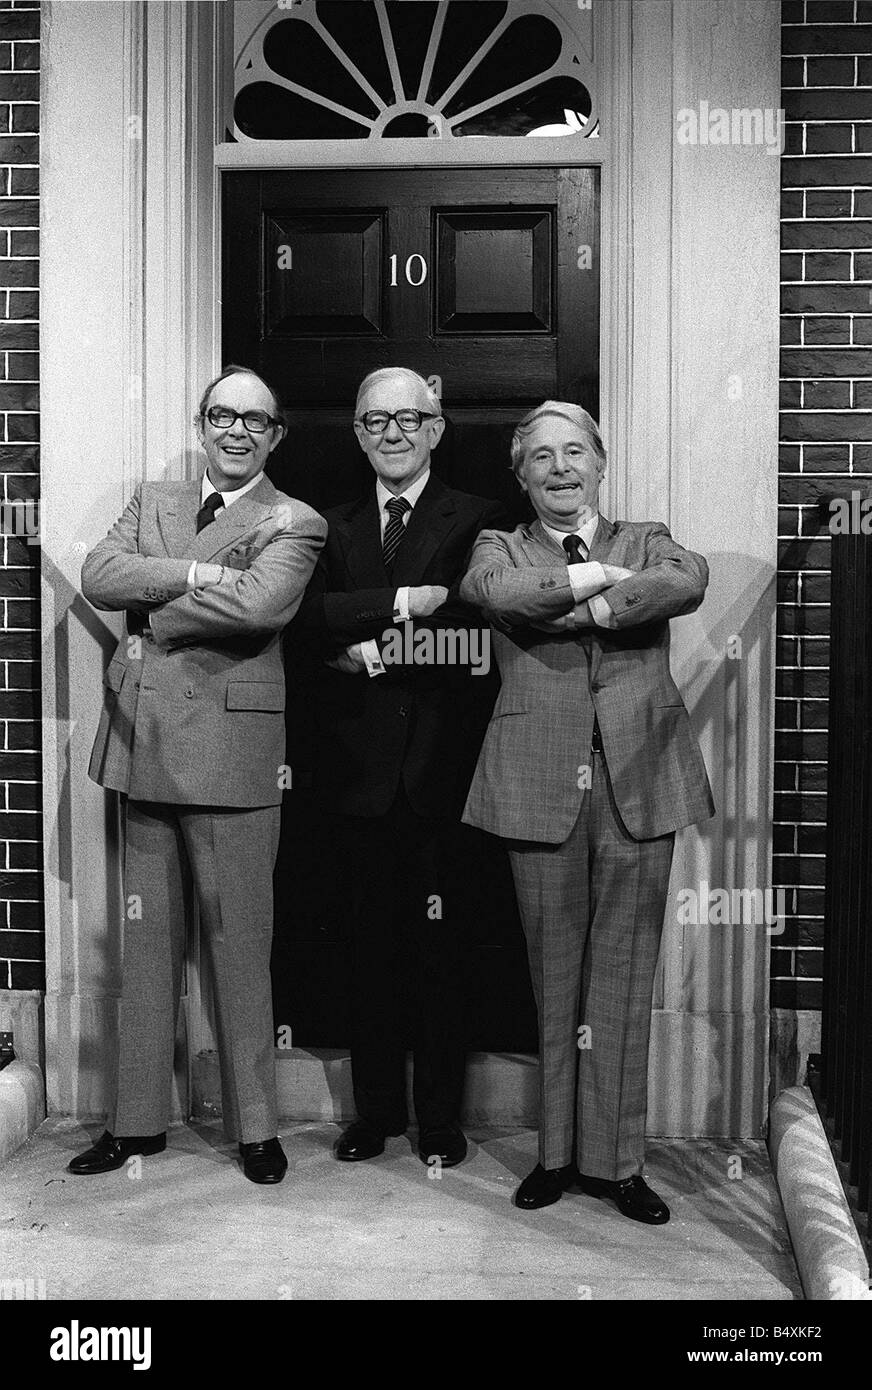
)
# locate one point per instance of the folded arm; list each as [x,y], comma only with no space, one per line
[116,576]
[262,598]
[671,582]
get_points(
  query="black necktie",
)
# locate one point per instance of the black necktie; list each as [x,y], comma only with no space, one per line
[576,550]
[395,530]
[206,514]
[576,554]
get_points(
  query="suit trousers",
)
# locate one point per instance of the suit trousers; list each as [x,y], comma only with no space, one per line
[408,973]
[226,856]
[592,911]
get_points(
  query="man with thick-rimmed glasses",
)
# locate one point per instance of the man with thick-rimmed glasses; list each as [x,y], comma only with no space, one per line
[393,761]
[192,735]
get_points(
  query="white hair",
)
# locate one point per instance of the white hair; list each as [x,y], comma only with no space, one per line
[383,373]
[576,413]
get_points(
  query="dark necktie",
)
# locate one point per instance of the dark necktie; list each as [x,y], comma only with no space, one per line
[395,530]
[206,514]
[576,554]
[576,550]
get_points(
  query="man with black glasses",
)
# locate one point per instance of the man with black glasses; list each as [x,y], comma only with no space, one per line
[393,760]
[192,735]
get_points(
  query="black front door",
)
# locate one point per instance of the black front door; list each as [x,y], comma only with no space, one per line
[486,280]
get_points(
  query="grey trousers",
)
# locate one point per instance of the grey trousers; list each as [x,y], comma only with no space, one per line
[226,855]
[592,912]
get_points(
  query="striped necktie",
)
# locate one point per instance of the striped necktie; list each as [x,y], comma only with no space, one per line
[395,529]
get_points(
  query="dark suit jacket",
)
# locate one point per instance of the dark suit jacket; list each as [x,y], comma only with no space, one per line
[415,723]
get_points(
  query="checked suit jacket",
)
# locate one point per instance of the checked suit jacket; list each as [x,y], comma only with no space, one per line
[526,784]
[194,698]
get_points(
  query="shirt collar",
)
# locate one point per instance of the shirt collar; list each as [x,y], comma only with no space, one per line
[585,533]
[207,488]
[411,494]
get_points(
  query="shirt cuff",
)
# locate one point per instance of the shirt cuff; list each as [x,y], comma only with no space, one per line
[600,611]
[586,578]
[401,605]
[192,575]
[372,657]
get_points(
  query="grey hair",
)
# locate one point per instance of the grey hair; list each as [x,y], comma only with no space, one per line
[234,369]
[382,373]
[576,413]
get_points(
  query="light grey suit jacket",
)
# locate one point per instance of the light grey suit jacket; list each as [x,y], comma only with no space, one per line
[526,784]
[194,709]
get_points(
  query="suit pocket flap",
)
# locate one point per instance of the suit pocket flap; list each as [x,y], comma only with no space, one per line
[263,695]
[114,677]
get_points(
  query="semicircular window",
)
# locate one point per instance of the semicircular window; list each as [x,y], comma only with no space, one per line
[437,69]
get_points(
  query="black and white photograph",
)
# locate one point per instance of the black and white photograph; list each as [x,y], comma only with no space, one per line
[435,669]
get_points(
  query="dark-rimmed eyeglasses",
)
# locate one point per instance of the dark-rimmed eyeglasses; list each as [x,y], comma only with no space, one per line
[409,421]
[254,421]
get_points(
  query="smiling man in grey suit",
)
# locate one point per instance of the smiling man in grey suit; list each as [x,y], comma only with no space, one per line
[192,735]
[588,768]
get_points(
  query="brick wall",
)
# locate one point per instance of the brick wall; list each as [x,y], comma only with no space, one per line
[826,427]
[21,926]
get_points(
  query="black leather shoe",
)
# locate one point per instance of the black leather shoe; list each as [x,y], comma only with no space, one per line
[632,1196]
[544,1186]
[447,1143]
[264,1161]
[361,1140]
[109,1152]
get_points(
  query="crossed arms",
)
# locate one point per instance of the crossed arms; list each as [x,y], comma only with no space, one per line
[262,598]
[671,581]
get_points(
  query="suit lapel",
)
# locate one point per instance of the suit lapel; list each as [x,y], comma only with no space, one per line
[177,518]
[602,540]
[362,545]
[540,548]
[432,518]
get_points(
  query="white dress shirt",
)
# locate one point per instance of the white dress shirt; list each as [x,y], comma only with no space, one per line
[369,648]
[587,578]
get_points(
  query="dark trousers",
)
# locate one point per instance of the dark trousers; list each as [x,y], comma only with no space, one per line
[408,969]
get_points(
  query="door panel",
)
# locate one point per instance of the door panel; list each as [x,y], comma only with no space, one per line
[478,277]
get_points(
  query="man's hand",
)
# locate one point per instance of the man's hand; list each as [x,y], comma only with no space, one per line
[425,599]
[350,661]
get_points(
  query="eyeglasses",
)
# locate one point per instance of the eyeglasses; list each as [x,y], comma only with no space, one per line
[409,421]
[255,421]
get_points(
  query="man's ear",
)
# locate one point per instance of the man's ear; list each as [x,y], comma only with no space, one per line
[201,433]
[436,429]
[280,433]
[361,434]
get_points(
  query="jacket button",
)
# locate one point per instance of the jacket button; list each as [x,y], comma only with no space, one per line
[189,693]
[136,685]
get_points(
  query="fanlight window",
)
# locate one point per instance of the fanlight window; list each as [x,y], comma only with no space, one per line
[443,69]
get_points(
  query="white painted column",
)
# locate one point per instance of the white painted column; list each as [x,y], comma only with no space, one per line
[129,337]
[704,436]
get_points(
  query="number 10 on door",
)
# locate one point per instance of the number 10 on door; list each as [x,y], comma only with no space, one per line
[415,270]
